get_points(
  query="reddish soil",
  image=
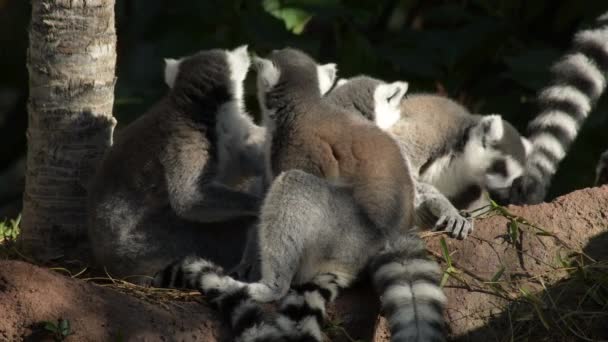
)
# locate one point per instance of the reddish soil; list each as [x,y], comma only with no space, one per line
[30,295]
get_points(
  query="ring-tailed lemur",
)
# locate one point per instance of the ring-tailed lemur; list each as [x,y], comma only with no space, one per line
[601,171]
[461,154]
[163,189]
[312,235]
[579,79]
[312,135]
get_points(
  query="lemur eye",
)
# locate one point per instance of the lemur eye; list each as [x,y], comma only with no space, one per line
[499,167]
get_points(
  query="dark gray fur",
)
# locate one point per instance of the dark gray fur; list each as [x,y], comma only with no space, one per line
[156,197]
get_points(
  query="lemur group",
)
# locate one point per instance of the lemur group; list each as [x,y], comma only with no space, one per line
[334,184]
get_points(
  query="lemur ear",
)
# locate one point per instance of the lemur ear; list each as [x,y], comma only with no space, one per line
[268,73]
[527,145]
[327,74]
[171,70]
[394,92]
[491,128]
[341,82]
[239,61]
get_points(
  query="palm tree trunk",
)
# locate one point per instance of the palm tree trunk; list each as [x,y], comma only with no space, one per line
[71,63]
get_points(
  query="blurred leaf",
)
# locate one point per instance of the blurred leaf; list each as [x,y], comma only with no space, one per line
[295,19]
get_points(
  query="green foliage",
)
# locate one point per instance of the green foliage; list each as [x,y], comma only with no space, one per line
[9,230]
[59,331]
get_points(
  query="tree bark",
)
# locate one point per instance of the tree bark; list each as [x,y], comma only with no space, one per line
[578,222]
[71,63]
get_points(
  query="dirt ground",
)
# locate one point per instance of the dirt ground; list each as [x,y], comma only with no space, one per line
[31,295]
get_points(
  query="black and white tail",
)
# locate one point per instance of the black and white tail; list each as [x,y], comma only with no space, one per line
[579,79]
[408,283]
[300,316]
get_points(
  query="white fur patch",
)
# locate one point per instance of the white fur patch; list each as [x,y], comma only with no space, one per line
[401,294]
[315,300]
[387,103]
[341,82]
[171,70]
[326,74]
[426,291]
[493,127]
[550,143]
[527,145]
[238,62]
[263,293]
[570,94]
[221,283]
[559,119]
[389,271]
[292,299]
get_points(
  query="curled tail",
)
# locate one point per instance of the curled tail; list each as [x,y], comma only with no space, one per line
[579,79]
[299,319]
[408,283]
[302,311]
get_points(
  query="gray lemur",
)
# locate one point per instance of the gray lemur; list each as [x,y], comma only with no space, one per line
[312,237]
[319,230]
[163,190]
[462,155]
[579,79]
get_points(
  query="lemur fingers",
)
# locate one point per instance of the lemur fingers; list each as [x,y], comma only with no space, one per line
[457,226]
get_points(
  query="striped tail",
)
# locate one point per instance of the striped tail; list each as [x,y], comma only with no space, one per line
[247,318]
[579,79]
[408,283]
[301,312]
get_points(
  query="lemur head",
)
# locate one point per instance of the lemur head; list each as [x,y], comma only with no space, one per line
[293,70]
[374,99]
[209,75]
[495,149]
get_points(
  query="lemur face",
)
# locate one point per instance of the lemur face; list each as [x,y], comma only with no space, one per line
[497,151]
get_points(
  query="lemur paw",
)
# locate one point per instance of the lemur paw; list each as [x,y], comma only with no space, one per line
[457,225]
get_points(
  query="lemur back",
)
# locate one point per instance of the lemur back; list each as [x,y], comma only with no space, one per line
[579,79]
[459,153]
[161,191]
